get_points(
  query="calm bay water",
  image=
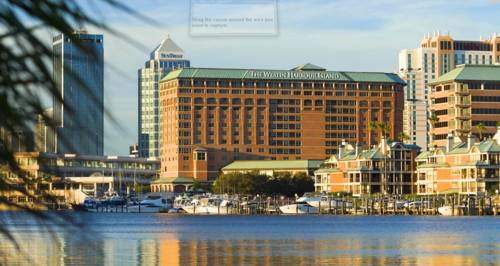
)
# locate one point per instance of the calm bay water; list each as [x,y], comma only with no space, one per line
[164,239]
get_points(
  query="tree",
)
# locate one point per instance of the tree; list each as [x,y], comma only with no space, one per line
[403,137]
[373,127]
[253,183]
[433,119]
[480,128]
[385,128]
[26,78]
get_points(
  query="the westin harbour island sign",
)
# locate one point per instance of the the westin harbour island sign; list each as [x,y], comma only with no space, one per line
[299,75]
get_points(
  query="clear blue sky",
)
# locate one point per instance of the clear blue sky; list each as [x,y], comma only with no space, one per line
[338,35]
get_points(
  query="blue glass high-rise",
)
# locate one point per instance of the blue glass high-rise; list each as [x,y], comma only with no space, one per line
[79,76]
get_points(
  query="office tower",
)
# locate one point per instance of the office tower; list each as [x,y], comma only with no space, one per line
[465,101]
[44,133]
[164,58]
[79,77]
[436,56]
[213,116]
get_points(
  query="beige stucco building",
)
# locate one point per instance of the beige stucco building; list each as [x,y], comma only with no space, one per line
[436,55]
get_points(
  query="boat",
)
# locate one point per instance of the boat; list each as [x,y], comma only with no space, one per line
[299,208]
[219,207]
[150,204]
[323,202]
[197,206]
[181,201]
[447,210]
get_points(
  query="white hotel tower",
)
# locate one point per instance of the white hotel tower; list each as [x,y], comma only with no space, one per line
[165,57]
[436,55]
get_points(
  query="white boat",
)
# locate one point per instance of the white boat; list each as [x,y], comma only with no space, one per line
[181,201]
[447,210]
[299,208]
[150,204]
[196,206]
[219,207]
[323,202]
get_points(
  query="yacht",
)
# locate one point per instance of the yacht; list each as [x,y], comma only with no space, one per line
[322,201]
[150,204]
[299,208]
[197,206]
[448,211]
[219,206]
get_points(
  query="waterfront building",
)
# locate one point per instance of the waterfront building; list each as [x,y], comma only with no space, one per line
[386,168]
[214,116]
[164,58]
[71,176]
[79,77]
[460,166]
[465,100]
[44,133]
[271,168]
[436,56]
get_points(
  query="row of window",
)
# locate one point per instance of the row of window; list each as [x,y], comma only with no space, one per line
[486,98]
[486,86]
[485,111]
[290,85]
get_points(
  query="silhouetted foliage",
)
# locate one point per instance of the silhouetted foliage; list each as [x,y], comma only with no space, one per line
[26,78]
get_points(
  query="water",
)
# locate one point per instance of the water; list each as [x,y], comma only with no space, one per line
[164,239]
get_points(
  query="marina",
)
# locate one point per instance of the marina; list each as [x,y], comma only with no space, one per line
[309,203]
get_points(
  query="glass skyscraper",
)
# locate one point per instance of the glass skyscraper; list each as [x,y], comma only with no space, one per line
[79,76]
[164,58]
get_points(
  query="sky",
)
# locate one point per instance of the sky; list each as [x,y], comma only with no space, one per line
[341,35]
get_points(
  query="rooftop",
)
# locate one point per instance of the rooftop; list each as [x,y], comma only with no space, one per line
[167,46]
[303,72]
[470,73]
[272,164]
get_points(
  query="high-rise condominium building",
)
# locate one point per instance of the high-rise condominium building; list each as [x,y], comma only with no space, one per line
[79,76]
[164,58]
[44,133]
[465,101]
[436,56]
[213,116]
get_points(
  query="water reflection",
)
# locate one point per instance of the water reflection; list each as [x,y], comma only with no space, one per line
[165,240]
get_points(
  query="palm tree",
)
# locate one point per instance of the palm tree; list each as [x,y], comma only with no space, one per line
[385,128]
[480,128]
[433,119]
[373,127]
[403,137]
[26,79]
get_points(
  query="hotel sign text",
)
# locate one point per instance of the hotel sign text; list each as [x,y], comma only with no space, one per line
[300,75]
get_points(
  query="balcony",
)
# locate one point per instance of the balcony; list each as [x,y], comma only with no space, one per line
[461,90]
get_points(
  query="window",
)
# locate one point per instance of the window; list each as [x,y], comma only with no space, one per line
[200,156]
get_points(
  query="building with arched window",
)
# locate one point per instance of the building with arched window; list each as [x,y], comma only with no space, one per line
[212,117]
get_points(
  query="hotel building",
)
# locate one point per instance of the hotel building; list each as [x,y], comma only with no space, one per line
[164,58]
[79,77]
[436,56]
[465,100]
[460,166]
[213,116]
[386,168]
